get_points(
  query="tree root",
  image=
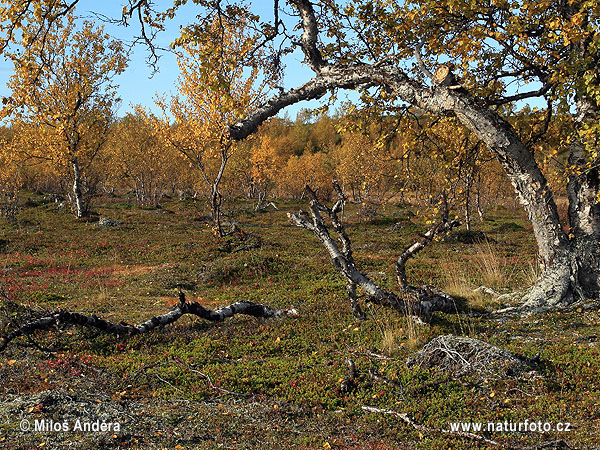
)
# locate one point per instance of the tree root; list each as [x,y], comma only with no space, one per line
[73,318]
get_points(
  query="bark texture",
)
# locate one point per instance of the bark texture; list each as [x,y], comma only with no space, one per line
[583,190]
[79,204]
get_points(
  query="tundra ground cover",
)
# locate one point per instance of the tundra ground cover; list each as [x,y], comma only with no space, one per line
[249,383]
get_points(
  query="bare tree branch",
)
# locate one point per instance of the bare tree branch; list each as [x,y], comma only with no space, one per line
[310,36]
[420,64]
[415,301]
[545,125]
[522,96]
[441,227]
[410,421]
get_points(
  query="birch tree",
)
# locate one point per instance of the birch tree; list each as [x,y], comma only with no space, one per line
[552,46]
[140,161]
[10,176]
[213,90]
[62,89]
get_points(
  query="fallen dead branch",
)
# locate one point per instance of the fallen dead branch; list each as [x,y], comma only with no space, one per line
[410,421]
[420,301]
[62,317]
[210,381]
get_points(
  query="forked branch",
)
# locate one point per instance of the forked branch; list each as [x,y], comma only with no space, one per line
[440,228]
[419,301]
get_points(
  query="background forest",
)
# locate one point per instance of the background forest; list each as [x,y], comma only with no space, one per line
[374,163]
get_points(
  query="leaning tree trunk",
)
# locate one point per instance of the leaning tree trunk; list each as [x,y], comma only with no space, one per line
[79,204]
[569,263]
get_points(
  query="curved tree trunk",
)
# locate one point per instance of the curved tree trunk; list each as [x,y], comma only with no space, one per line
[557,253]
[569,262]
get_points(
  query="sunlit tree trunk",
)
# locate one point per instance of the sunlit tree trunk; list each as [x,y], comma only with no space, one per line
[78,203]
[569,262]
[584,210]
[469,184]
[216,199]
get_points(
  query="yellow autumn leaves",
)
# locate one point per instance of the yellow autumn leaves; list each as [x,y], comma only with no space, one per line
[62,96]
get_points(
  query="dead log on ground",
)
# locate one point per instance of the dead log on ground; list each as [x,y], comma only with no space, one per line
[181,308]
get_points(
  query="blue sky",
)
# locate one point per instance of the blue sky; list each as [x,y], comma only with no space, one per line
[137,85]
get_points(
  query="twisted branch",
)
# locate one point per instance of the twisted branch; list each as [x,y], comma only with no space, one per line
[415,301]
[122,328]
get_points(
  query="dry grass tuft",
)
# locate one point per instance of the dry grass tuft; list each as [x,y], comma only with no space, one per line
[489,265]
[485,269]
[389,340]
[407,334]
[532,273]
[459,284]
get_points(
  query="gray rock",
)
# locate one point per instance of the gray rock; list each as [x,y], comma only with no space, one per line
[107,222]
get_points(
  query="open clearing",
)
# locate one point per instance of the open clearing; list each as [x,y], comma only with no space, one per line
[249,383]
